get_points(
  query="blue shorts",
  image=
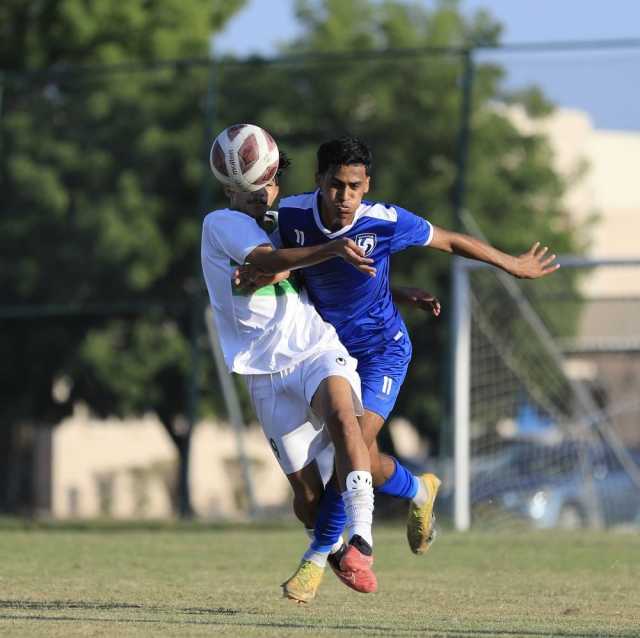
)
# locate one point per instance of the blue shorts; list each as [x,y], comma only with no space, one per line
[382,373]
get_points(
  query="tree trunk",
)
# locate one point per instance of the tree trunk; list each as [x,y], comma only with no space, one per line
[182,442]
[6,467]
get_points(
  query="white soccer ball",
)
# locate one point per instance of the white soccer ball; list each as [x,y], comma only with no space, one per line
[244,157]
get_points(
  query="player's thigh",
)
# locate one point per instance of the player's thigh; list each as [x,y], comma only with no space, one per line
[295,437]
[332,385]
[333,398]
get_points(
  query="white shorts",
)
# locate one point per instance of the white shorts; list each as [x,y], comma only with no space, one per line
[282,403]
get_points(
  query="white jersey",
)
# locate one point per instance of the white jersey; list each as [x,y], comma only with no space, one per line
[270,330]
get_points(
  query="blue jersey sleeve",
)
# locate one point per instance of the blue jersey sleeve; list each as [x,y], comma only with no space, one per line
[410,230]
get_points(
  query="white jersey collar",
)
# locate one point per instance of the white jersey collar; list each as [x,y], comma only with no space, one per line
[325,231]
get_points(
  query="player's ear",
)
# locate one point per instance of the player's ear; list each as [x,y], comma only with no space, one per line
[367,182]
[319,180]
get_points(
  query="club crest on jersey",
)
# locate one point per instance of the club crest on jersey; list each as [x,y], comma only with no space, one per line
[366,241]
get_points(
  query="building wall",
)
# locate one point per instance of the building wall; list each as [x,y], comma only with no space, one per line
[609,162]
[607,344]
[127,468]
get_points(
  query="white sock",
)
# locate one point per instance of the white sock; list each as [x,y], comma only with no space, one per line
[422,495]
[334,548]
[337,546]
[358,504]
[319,558]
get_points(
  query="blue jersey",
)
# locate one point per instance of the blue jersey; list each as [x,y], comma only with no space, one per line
[359,306]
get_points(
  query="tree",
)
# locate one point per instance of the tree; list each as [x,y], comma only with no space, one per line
[102,171]
[407,106]
[101,175]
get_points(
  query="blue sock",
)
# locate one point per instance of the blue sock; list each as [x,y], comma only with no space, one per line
[330,520]
[401,483]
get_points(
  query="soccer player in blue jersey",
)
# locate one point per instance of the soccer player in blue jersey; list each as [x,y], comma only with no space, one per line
[362,309]
[366,318]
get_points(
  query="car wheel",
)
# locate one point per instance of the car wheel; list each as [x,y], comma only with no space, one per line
[570,517]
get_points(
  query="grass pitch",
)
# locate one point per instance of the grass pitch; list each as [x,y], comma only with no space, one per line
[199,581]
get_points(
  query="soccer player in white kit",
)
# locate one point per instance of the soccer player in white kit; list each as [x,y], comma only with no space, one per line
[302,382]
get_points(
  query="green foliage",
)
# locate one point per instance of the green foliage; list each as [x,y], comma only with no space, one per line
[408,108]
[103,173]
[101,177]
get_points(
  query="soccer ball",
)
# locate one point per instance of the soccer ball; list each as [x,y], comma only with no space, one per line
[244,157]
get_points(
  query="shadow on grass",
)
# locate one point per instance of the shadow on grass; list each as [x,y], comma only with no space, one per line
[60,605]
[218,616]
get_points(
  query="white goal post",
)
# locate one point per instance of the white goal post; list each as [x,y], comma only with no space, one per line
[522,421]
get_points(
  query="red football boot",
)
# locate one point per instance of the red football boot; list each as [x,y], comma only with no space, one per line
[352,565]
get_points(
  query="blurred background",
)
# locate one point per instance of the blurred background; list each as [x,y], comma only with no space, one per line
[511,121]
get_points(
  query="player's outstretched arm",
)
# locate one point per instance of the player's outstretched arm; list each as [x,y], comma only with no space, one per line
[533,264]
[271,260]
[417,298]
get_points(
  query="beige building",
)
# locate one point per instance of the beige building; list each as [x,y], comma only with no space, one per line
[609,162]
[606,350]
[126,469]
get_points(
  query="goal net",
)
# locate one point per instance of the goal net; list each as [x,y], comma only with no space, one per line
[548,400]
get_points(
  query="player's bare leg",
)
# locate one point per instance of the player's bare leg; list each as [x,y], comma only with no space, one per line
[333,402]
[307,489]
[382,465]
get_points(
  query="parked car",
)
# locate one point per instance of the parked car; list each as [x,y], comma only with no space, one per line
[567,485]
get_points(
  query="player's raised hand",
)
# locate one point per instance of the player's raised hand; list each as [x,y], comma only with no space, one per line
[348,250]
[535,263]
[245,276]
[417,298]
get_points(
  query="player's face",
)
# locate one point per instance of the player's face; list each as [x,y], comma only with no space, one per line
[255,203]
[342,189]
[273,190]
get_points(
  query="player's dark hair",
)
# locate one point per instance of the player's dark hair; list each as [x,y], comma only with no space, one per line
[283,165]
[344,151]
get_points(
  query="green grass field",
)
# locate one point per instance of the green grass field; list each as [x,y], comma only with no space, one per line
[197,581]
